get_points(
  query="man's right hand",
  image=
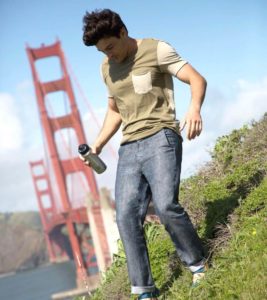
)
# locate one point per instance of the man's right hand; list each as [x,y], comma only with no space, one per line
[95,150]
[84,161]
[111,125]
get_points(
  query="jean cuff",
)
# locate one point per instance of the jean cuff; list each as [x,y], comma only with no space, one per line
[142,289]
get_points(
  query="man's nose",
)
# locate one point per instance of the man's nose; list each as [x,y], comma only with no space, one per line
[110,54]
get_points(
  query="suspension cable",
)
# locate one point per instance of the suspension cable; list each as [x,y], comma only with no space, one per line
[113,152]
[66,147]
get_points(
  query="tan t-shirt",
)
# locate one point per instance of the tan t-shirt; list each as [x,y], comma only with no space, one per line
[142,87]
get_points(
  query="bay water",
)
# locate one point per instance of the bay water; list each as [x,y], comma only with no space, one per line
[38,284]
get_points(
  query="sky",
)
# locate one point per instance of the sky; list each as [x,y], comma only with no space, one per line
[225,41]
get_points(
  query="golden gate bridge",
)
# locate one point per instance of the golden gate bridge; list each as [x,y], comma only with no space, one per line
[80,228]
[74,228]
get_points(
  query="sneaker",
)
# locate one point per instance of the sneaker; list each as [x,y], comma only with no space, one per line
[149,295]
[199,275]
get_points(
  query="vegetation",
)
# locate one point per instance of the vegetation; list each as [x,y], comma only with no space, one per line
[226,201]
[22,244]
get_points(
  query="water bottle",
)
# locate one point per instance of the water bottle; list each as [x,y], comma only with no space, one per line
[95,162]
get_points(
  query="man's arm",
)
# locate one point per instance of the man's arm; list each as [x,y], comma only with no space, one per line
[110,126]
[198,86]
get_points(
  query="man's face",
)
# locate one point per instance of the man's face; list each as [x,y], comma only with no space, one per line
[115,48]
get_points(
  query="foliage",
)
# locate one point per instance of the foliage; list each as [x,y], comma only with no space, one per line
[227,146]
[239,268]
[115,283]
[226,201]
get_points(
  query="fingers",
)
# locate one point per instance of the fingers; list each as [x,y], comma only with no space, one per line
[199,128]
[193,121]
[86,162]
[95,150]
[194,129]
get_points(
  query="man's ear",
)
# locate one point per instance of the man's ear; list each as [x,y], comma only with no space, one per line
[123,32]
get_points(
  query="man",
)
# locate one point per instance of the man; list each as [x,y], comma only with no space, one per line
[138,75]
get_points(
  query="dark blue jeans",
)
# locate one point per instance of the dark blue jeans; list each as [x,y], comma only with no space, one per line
[152,166]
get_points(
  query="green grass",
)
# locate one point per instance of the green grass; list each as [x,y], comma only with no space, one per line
[239,270]
[226,201]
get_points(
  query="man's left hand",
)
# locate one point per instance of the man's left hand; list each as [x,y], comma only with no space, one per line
[193,122]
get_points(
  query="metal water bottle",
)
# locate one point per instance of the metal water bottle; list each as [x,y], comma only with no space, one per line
[95,162]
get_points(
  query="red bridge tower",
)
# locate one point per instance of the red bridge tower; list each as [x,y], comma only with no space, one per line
[64,212]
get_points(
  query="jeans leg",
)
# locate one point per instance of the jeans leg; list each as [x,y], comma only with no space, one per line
[132,195]
[162,171]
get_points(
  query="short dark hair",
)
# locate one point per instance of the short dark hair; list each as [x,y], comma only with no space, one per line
[101,24]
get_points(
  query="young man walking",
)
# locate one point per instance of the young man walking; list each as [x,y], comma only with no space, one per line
[138,75]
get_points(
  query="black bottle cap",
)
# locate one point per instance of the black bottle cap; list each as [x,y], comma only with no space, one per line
[83,149]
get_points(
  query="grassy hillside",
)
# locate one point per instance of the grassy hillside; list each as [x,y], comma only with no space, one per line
[226,200]
[29,219]
[22,241]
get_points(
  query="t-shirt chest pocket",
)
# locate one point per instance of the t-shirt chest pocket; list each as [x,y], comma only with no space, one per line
[142,83]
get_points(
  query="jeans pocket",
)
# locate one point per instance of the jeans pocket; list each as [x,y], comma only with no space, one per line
[172,137]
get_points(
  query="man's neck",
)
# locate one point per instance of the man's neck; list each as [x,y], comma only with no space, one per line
[132,46]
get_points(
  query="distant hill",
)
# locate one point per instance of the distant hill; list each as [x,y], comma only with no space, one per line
[22,241]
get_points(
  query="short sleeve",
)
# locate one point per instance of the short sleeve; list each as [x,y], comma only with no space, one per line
[168,59]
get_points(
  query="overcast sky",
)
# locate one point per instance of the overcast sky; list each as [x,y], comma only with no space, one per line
[226,41]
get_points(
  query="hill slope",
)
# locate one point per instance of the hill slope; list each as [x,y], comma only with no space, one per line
[226,200]
[22,241]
